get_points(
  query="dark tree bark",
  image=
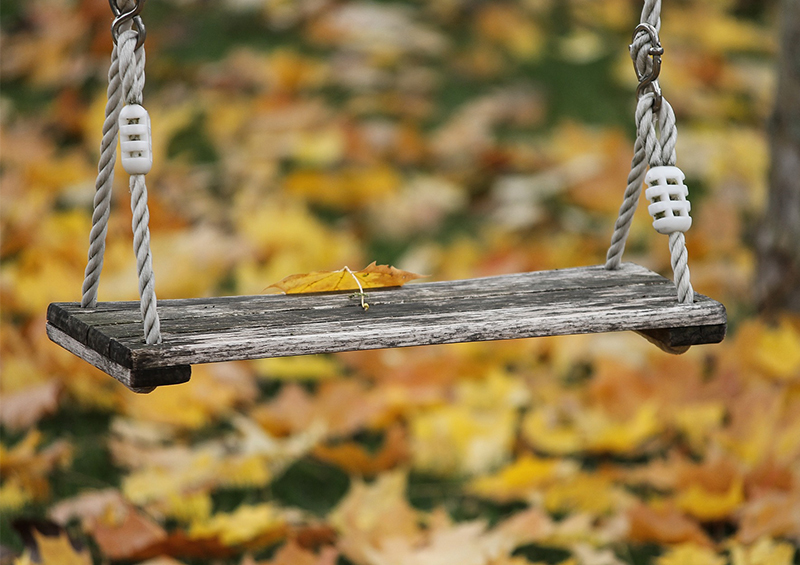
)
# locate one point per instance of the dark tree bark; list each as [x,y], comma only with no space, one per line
[777,286]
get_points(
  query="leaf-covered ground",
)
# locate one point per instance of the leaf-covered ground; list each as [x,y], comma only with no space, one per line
[449,137]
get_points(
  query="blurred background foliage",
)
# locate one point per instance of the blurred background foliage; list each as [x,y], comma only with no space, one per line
[458,138]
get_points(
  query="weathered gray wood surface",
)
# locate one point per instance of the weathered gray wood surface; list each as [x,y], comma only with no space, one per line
[544,303]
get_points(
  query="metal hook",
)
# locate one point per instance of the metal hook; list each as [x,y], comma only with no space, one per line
[123,18]
[656,51]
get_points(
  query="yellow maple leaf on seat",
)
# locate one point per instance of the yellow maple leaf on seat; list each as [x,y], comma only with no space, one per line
[372,276]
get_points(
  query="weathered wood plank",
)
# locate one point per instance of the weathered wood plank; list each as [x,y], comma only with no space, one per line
[138,381]
[567,301]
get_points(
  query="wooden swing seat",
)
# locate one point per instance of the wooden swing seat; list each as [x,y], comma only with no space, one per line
[544,303]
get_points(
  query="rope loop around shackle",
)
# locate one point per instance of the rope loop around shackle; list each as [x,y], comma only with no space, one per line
[132,16]
[648,78]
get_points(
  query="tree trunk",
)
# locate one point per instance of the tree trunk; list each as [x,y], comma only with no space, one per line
[777,286]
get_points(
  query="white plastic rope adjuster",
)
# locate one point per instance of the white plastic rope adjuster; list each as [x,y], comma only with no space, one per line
[667,193]
[135,141]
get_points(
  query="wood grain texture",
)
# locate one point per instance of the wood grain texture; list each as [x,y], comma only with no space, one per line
[544,303]
[142,381]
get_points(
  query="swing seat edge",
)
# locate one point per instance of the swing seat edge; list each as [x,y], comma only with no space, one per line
[522,305]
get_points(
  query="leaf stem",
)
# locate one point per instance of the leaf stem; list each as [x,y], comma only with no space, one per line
[360,292]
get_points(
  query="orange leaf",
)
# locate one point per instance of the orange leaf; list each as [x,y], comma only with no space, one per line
[373,276]
[664,524]
[353,458]
[294,554]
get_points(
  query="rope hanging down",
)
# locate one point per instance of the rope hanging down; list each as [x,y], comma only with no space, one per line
[655,146]
[125,86]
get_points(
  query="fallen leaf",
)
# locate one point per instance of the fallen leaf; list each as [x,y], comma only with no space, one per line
[23,408]
[372,276]
[15,494]
[126,536]
[708,505]
[162,560]
[370,513]
[293,554]
[588,555]
[356,459]
[584,492]
[765,551]
[518,480]
[690,554]
[772,514]
[664,524]
[460,440]
[59,550]
[89,506]
[246,524]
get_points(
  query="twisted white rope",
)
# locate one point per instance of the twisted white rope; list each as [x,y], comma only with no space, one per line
[126,83]
[103,184]
[656,139]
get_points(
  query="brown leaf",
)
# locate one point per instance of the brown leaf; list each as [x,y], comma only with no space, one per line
[127,536]
[179,544]
[372,276]
[312,536]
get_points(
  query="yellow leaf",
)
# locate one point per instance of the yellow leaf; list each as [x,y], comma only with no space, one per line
[372,276]
[706,505]
[208,397]
[697,421]
[585,492]
[521,478]
[187,507]
[460,440]
[348,188]
[245,524]
[59,550]
[14,495]
[765,551]
[611,436]
[546,431]
[690,554]
[249,471]
[307,367]
[589,430]
[777,351]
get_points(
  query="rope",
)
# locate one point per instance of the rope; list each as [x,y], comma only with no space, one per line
[656,139]
[103,184]
[126,82]
[132,62]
